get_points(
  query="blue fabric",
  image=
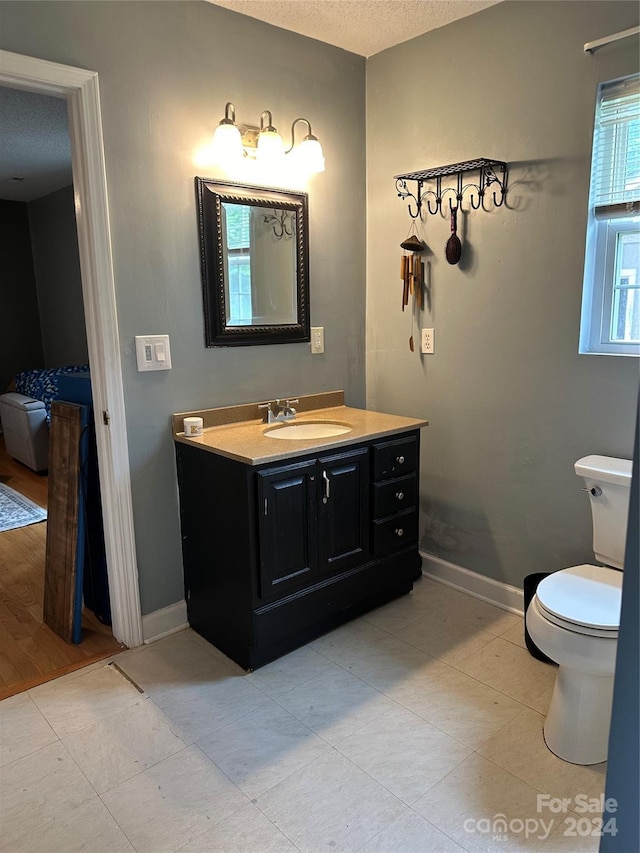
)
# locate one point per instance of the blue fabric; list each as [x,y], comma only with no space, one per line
[43,384]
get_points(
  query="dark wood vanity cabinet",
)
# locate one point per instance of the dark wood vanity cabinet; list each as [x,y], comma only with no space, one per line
[277,554]
[314,520]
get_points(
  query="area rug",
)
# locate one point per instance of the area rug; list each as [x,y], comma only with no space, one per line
[17,511]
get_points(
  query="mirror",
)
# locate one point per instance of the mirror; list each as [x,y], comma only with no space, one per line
[253,247]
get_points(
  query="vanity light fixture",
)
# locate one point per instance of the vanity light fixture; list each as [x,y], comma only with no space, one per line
[264,143]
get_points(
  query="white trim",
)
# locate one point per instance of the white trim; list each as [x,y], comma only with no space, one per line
[592,46]
[166,621]
[479,586]
[80,88]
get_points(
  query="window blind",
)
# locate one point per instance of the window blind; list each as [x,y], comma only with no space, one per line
[615,169]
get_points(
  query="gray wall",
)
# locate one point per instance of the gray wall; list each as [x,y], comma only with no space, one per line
[510,402]
[166,70]
[20,342]
[54,240]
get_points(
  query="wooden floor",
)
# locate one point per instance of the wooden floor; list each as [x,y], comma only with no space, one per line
[30,652]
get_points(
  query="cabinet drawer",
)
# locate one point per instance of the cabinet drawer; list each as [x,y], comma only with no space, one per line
[394,495]
[394,458]
[396,532]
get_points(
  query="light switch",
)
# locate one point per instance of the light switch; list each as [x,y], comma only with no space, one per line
[153,352]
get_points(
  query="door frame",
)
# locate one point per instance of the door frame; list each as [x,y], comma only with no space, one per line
[79,87]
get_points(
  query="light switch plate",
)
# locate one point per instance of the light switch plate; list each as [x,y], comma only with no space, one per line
[153,352]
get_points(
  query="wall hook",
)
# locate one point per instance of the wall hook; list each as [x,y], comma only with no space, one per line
[437,207]
[418,205]
[479,204]
[403,192]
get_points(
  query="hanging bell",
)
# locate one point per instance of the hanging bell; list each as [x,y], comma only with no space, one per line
[412,244]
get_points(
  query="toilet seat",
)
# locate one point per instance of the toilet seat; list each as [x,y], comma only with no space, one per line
[584,599]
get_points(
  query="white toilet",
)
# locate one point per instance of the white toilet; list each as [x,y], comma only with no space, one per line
[574,618]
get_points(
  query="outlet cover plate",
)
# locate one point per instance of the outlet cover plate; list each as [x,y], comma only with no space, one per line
[317,340]
[428,342]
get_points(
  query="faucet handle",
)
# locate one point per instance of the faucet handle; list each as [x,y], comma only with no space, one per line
[269,414]
[291,402]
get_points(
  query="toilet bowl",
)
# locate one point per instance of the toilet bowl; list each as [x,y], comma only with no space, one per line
[577,724]
[574,618]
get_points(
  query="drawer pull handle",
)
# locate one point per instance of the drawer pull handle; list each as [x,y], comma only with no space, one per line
[400,496]
[399,531]
[400,460]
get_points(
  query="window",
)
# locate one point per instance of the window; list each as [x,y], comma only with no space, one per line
[239,307]
[610,323]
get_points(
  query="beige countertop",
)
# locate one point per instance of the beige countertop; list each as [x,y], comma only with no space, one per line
[244,440]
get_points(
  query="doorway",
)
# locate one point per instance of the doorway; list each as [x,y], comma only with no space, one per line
[79,88]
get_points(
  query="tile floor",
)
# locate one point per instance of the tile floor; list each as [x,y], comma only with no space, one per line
[412,729]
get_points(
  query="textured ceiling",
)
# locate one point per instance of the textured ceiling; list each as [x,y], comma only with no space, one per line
[360,26]
[35,153]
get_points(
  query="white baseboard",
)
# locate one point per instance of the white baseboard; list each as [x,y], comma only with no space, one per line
[170,619]
[163,622]
[479,586]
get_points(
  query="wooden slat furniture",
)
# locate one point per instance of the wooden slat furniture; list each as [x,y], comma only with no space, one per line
[62,599]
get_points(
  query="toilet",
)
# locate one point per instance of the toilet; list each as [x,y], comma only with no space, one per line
[574,618]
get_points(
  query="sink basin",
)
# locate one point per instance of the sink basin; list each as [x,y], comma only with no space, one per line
[309,429]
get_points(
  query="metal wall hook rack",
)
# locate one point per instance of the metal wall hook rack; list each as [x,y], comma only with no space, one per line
[490,173]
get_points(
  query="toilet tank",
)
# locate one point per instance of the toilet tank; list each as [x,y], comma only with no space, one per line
[608,483]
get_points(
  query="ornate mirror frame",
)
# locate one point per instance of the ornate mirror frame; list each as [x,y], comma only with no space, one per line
[211,194]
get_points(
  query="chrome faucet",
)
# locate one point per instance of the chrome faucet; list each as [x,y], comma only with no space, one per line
[277,411]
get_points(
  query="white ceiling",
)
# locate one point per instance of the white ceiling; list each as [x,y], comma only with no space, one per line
[361,26]
[35,157]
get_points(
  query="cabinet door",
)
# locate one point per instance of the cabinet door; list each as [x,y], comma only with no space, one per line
[343,510]
[288,522]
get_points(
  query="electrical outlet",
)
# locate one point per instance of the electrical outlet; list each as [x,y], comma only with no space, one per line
[317,340]
[428,342]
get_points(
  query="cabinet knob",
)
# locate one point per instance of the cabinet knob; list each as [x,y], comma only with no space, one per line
[400,459]
[400,496]
[399,531]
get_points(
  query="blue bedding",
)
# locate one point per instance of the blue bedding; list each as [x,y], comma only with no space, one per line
[43,384]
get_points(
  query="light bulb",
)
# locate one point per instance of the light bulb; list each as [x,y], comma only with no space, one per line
[309,155]
[227,144]
[270,146]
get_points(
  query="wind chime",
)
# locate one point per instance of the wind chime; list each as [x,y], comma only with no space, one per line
[412,276]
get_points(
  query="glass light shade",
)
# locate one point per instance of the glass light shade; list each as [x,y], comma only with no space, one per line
[309,155]
[270,146]
[227,143]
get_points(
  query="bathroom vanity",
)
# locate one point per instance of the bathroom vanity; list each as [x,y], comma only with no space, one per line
[283,539]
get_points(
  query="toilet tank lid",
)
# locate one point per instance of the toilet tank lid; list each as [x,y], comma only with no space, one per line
[605,468]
